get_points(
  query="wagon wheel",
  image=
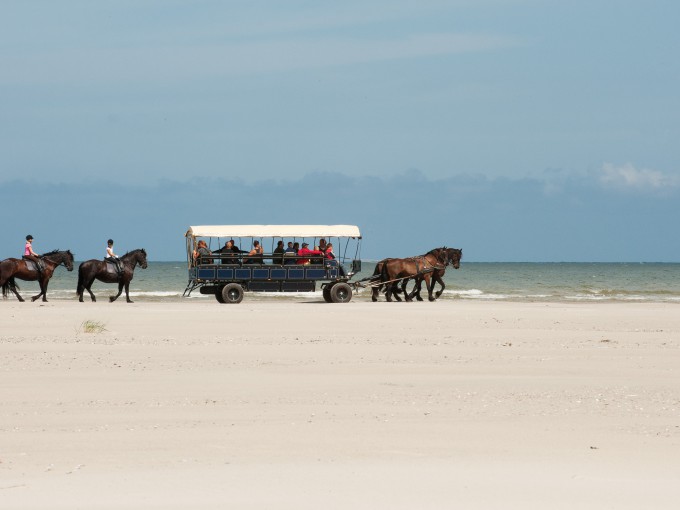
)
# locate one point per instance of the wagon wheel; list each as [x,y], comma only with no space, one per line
[341,293]
[232,293]
[327,293]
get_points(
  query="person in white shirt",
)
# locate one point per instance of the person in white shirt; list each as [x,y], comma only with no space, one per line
[112,257]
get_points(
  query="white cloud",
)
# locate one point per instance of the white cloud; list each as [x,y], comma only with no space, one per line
[628,177]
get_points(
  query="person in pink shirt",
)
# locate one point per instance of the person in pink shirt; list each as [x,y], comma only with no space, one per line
[29,254]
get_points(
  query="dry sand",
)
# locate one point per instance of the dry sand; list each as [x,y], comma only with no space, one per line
[472,405]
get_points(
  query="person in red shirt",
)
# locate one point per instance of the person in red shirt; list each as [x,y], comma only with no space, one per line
[305,251]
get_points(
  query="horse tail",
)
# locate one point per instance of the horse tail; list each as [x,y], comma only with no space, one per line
[81,285]
[384,273]
[9,285]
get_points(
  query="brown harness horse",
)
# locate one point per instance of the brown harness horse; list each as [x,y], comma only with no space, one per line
[97,269]
[429,267]
[453,256]
[20,268]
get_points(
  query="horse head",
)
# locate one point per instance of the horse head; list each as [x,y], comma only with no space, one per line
[135,257]
[60,257]
[440,255]
[141,258]
[68,260]
[453,257]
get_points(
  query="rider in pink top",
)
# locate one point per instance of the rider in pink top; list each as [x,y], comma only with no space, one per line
[30,254]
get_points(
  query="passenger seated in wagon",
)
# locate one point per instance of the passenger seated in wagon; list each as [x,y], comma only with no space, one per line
[304,252]
[255,256]
[202,253]
[229,252]
[290,254]
[278,253]
[331,260]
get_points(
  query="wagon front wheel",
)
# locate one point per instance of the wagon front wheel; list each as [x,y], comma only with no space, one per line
[232,293]
[341,293]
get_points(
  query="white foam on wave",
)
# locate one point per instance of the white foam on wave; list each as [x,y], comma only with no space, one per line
[468,292]
[155,293]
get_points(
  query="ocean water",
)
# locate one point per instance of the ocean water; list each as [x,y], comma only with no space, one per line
[566,282]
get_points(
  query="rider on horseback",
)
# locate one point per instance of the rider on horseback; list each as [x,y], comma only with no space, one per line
[29,254]
[112,257]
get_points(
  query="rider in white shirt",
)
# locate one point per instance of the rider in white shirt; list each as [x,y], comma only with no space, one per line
[112,257]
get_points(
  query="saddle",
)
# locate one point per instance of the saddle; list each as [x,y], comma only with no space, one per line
[112,267]
[32,266]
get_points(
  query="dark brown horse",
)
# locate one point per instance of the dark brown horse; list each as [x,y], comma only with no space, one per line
[106,272]
[429,267]
[26,270]
[453,256]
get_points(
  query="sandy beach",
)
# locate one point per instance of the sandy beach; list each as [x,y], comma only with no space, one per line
[457,404]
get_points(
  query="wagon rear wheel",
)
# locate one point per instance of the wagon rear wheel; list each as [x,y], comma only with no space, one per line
[341,293]
[232,293]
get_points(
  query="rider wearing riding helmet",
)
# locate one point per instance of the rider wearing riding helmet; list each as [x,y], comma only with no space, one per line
[29,254]
[112,257]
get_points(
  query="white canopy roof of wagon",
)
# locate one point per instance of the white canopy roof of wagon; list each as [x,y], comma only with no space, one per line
[274,231]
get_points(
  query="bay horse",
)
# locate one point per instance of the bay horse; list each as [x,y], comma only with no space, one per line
[21,268]
[453,256]
[429,267]
[97,269]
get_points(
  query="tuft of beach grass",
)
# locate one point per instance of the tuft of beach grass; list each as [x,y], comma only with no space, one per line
[92,327]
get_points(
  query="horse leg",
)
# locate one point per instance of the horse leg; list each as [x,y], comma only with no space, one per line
[92,296]
[407,296]
[127,292]
[418,281]
[120,291]
[396,291]
[441,282]
[430,288]
[88,287]
[13,288]
[418,288]
[42,291]
[388,292]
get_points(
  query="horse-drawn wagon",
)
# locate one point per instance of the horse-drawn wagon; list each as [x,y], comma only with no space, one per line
[218,266]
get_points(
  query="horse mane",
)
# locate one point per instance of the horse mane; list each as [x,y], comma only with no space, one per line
[435,252]
[53,252]
[133,252]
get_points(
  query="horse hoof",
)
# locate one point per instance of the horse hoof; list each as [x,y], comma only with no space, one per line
[431,299]
[418,298]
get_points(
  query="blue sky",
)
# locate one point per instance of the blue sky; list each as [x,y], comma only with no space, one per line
[516,129]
